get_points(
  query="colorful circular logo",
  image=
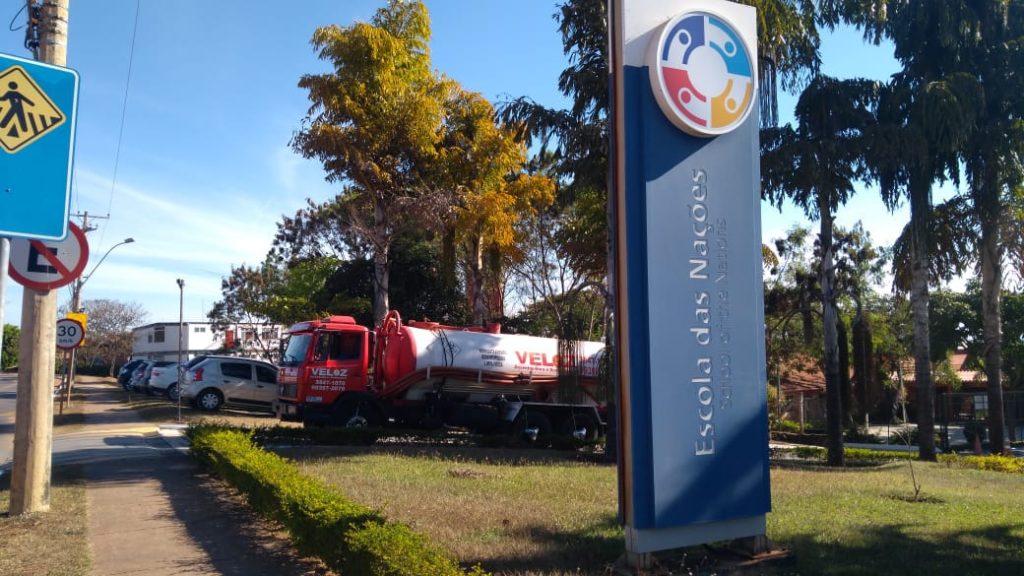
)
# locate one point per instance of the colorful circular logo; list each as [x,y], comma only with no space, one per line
[702,74]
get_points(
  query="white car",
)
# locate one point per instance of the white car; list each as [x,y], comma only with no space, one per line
[216,381]
[163,379]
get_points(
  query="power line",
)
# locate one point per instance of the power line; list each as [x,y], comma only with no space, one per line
[124,111]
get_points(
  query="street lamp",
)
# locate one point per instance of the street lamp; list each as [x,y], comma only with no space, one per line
[77,294]
[181,324]
[76,305]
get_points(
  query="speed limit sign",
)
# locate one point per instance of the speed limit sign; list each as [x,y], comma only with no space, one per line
[70,334]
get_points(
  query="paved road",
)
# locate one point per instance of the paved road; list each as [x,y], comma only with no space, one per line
[8,396]
[113,434]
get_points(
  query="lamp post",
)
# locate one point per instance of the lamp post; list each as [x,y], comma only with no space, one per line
[76,306]
[181,324]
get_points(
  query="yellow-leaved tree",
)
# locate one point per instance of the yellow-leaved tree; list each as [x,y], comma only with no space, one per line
[484,168]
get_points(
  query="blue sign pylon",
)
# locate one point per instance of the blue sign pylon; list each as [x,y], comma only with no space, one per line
[38,105]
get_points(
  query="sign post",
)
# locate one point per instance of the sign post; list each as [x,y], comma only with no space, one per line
[689,305]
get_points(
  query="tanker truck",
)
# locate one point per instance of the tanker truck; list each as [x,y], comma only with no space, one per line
[421,374]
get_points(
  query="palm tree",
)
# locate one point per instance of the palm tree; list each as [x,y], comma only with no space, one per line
[925,116]
[815,166]
[991,161]
[921,127]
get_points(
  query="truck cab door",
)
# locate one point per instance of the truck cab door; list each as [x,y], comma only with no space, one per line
[337,365]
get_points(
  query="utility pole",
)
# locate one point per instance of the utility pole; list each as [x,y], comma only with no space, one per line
[76,306]
[5,255]
[33,423]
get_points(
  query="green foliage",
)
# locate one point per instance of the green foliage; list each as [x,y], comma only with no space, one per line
[348,537]
[1007,464]
[9,353]
[784,425]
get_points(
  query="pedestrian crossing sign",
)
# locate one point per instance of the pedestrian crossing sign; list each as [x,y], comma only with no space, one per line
[38,111]
[26,112]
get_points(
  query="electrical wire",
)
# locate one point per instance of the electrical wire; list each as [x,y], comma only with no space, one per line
[16,14]
[124,111]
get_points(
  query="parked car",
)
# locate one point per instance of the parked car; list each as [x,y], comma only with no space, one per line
[139,375]
[217,381]
[163,377]
[124,375]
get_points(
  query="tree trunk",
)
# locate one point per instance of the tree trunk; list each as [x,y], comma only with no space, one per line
[833,391]
[991,283]
[381,262]
[479,303]
[919,217]
[845,389]
[863,364]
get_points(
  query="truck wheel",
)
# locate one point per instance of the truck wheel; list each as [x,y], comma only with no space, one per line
[172,392]
[579,426]
[209,400]
[357,414]
[531,427]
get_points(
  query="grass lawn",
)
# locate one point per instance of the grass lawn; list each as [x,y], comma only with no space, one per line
[519,516]
[53,543]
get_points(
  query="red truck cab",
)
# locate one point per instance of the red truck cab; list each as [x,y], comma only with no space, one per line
[322,359]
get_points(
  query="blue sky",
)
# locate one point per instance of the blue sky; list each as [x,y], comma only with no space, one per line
[205,170]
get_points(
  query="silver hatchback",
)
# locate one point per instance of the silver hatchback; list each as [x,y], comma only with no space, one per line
[217,381]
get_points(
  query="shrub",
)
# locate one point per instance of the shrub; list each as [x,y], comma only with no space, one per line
[348,537]
[990,463]
[786,426]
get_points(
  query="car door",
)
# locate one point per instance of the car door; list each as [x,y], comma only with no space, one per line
[237,380]
[266,384]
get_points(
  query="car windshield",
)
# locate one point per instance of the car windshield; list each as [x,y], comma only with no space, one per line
[295,353]
[194,361]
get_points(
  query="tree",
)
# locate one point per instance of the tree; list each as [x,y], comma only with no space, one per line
[993,39]
[815,166]
[374,122]
[109,336]
[483,168]
[925,116]
[9,353]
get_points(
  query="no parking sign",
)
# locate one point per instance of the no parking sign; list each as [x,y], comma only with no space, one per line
[49,264]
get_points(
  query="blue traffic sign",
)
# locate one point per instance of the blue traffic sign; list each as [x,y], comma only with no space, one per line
[38,105]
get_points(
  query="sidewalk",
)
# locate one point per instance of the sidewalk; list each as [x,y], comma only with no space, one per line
[153,511]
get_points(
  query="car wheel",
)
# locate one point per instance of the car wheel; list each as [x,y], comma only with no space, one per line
[531,427]
[172,392]
[356,414]
[209,400]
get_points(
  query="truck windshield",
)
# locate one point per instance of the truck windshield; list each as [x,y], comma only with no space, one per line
[295,354]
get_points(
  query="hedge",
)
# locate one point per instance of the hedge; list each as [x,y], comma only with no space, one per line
[991,463]
[350,538]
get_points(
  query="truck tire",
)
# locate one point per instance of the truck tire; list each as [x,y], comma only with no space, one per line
[356,413]
[583,423]
[530,421]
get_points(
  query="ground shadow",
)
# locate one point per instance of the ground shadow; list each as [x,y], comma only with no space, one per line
[895,549]
[236,542]
[571,552]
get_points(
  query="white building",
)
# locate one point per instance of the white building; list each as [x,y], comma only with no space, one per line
[159,341]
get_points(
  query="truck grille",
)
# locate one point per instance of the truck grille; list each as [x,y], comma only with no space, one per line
[289,391]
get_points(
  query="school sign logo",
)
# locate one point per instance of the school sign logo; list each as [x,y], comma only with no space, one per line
[702,74]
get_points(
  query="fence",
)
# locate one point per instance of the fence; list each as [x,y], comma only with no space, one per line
[961,415]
